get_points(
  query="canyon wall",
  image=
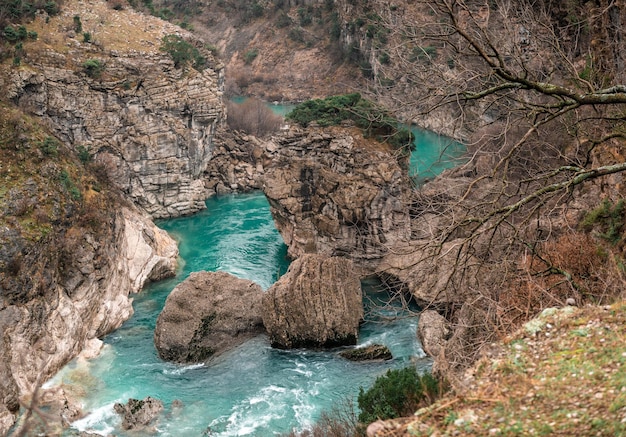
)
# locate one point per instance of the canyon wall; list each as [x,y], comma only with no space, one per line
[90,123]
[71,287]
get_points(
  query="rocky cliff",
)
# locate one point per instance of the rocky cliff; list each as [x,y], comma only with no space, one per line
[68,288]
[149,121]
[336,193]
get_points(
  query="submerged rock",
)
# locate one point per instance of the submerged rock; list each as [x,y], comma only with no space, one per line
[207,314]
[139,414]
[374,352]
[317,303]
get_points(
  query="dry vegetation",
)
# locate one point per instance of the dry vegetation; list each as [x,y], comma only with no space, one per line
[123,30]
[563,374]
[253,117]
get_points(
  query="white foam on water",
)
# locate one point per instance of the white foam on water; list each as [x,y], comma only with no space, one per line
[99,421]
[304,410]
[179,370]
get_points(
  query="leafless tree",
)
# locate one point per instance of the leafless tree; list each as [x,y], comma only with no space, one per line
[253,117]
[535,88]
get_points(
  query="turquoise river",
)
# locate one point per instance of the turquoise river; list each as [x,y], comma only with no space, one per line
[253,390]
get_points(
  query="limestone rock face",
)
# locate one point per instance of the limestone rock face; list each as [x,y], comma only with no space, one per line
[207,314]
[48,313]
[333,192]
[317,303]
[149,123]
[238,162]
[433,331]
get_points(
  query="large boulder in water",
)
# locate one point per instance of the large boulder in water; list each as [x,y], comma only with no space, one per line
[207,314]
[317,303]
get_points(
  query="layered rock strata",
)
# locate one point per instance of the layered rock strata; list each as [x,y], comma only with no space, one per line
[206,315]
[238,163]
[149,122]
[317,303]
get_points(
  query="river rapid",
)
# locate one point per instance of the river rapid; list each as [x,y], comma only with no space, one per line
[253,390]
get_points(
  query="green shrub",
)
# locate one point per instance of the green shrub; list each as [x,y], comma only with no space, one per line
[49,146]
[83,154]
[10,34]
[86,37]
[383,58]
[164,14]
[93,67]
[305,17]
[256,10]
[69,185]
[78,25]
[32,35]
[18,10]
[183,52]
[13,34]
[283,20]
[397,393]
[51,8]
[296,35]
[373,119]
[17,61]
[609,218]
[250,56]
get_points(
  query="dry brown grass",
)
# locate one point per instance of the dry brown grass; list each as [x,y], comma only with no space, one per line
[574,266]
[125,31]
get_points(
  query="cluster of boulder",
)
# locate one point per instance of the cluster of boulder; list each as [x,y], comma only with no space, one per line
[317,303]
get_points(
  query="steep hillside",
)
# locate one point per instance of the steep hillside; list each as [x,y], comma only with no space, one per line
[72,251]
[274,50]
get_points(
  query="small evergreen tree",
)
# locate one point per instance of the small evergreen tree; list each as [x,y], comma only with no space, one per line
[397,393]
